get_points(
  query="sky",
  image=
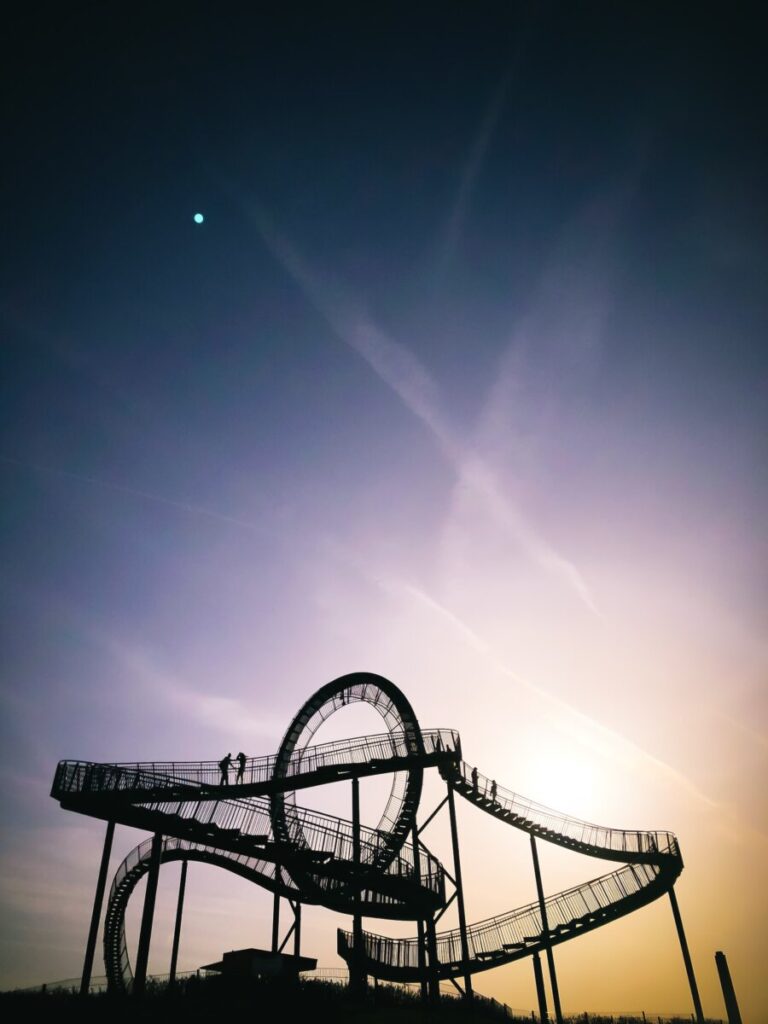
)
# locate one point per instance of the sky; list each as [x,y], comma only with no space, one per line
[461,380]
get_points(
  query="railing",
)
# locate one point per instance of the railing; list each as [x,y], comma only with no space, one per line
[259,770]
[246,820]
[499,936]
[625,841]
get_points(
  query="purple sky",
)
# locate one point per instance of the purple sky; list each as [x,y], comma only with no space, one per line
[461,381]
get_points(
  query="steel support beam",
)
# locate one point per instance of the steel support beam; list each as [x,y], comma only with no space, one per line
[357,976]
[276,909]
[419,921]
[541,993]
[729,994]
[297,933]
[98,899]
[686,957]
[459,894]
[145,936]
[177,928]
[434,976]
[545,932]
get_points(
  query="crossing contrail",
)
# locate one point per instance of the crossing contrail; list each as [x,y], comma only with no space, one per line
[397,367]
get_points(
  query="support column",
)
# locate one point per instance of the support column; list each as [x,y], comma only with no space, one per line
[686,957]
[541,993]
[142,957]
[434,977]
[98,899]
[459,894]
[729,995]
[545,930]
[357,977]
[419,921]
[276,910]
[421,939]
[297,934]
[177,929]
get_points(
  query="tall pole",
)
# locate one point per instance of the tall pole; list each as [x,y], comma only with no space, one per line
[297,934]
[357,976]
[541,993]
[729,995]
[434,976]
[276,909]
[545,932]
[145,935]
[459,894]
[419,920]
[98,899]
[177,928]
[686,957]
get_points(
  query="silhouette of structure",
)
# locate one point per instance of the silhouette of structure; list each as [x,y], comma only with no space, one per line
[258,831]
[729,994]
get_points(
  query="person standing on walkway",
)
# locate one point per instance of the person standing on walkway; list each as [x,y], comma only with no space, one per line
[474,781]
[493,791]
[224,765]
[241,759]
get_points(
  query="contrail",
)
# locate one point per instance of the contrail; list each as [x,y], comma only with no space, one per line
[471,172]
[196,510]
[622,745]
[400,370]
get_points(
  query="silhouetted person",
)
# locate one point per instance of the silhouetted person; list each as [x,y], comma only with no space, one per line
[493,791]
[240,766]
[474,781]
[224,765]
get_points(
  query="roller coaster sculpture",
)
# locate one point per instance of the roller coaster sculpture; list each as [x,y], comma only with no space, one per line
[257,830]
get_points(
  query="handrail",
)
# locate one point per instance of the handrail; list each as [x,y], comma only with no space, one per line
[305,760]
[249,818]
[565,826]
[519,931]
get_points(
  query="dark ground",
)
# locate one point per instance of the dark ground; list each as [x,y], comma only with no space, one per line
[207,999]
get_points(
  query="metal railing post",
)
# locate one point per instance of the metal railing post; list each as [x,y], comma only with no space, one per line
[98,899]
[545,932]
[686,957]
[145,936]
[459,893]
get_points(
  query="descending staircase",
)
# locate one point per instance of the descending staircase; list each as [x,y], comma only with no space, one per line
[561,829]
[652,863]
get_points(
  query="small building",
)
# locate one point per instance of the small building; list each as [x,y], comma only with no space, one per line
[260,963]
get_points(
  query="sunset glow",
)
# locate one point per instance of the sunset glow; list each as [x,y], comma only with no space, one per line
[462,383]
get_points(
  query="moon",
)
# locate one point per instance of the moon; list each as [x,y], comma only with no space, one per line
[198,218]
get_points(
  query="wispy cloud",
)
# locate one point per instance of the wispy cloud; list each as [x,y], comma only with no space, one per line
[613,745]
[397,367]
[470,174]
[222,714]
